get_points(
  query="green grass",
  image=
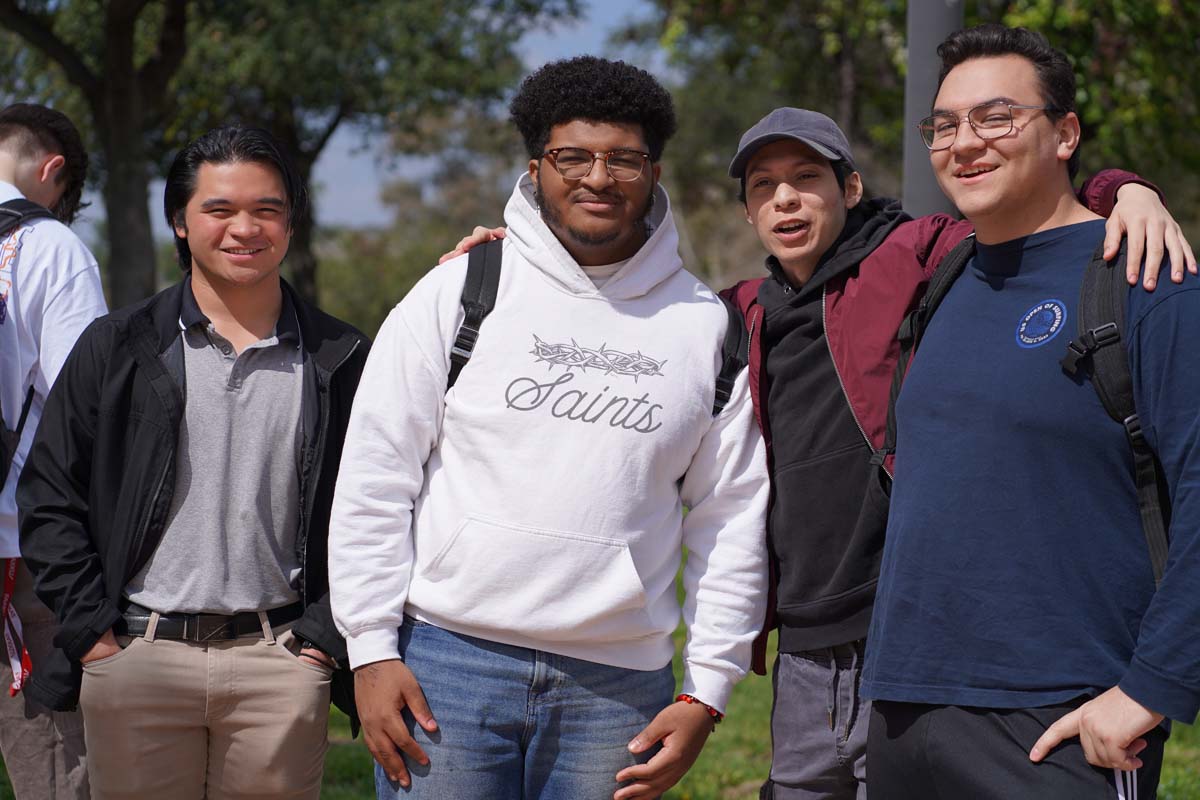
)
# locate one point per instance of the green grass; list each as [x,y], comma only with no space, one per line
[732,766]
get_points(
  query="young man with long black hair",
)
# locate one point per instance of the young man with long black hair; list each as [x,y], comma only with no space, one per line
[175,503]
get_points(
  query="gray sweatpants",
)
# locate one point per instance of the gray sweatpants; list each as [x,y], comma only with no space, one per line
[818,726]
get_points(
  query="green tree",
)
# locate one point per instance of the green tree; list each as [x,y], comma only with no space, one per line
[1139,109]
[146,75]
[847,58]
[475,158]
[104,58]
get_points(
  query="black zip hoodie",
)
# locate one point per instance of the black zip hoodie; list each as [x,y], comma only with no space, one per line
[829,509]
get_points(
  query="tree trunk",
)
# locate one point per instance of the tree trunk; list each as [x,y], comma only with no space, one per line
[301,260]
[847,101]
[132,261]
[119,111]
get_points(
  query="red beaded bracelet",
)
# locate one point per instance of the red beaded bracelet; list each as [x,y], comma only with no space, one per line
[712,712]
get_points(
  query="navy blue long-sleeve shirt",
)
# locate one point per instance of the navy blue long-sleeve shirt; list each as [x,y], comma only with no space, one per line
[1015,572]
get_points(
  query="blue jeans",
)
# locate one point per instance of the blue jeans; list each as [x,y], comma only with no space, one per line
[520,724]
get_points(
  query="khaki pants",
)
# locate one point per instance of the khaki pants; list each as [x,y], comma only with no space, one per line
[182,720]
[43,750]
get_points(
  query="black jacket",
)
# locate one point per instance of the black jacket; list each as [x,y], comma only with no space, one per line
[95,490]
[829,508]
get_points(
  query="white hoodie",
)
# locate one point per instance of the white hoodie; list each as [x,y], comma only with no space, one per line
[539,503]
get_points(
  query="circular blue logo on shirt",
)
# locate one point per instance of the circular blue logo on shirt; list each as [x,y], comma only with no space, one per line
[1041,323]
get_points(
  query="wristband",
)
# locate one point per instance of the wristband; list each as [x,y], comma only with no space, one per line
[306,644]
[717,716]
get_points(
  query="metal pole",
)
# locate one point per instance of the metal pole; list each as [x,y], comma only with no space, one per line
[929,22]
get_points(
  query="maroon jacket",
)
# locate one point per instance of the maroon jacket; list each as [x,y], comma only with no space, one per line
[863,309]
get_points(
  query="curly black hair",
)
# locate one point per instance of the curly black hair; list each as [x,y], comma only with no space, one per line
[37,130]
[596,89]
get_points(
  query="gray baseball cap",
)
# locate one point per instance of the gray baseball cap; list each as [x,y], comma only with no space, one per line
[810,127]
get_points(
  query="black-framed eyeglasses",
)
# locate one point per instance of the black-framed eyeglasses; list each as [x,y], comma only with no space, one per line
[574,163]
[988,120]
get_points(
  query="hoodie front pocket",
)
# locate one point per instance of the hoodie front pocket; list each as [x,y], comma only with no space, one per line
[550,584]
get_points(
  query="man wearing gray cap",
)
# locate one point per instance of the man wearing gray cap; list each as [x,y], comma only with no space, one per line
[844,271]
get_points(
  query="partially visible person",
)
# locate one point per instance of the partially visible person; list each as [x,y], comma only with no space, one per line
[1019,646]
[175,503]
[505,546]
[49,292]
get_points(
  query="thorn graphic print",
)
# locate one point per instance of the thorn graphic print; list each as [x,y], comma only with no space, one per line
[610,362]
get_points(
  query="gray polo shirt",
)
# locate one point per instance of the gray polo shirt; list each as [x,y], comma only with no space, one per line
[230,540]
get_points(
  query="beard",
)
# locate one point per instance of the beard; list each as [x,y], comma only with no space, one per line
[554,221]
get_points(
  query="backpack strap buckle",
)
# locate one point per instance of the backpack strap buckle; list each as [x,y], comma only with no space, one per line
[724,392]
[464,344]
[1080,349]
[879,456]
[1134,432]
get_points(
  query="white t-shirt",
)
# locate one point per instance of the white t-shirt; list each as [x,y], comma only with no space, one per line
[601,274]
[49,292]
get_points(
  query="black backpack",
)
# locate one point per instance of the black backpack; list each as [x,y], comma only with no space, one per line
[12,214]
[1093,354]
[479,298]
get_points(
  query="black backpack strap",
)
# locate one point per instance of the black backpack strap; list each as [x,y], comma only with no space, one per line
[913,328]
[12,439]
[478,300]
[735,355]
[24,412]
[1102,298]
[14,212]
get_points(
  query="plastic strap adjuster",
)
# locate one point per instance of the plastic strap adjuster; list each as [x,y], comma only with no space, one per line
[464,344]
[1087,343]
[724,392]
[1133,430]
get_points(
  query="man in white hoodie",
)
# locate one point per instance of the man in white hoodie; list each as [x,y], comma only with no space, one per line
[503,554]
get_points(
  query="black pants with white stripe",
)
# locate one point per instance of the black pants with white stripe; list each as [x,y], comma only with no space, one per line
[924,752]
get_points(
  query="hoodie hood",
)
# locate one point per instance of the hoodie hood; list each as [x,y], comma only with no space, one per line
[657,260]
[867,225]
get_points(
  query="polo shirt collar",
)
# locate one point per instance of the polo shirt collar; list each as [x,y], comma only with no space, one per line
[287,327]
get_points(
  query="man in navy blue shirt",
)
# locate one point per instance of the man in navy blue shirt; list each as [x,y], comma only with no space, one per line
[1018,646]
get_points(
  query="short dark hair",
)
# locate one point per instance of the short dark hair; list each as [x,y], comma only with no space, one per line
[1054,71]
[228,144]
[594,89]
[841,171]
[36,130]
